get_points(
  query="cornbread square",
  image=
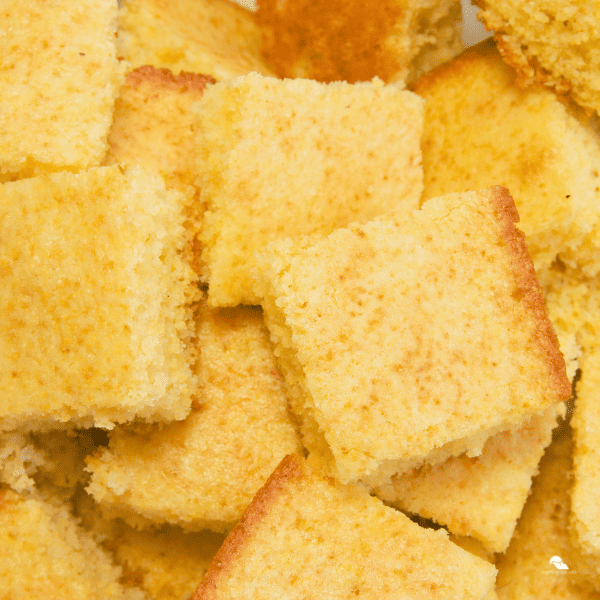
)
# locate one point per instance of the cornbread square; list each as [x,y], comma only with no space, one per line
[204,471]
[414,337]
[45,554]
[541,561]
[481,496]
[353,41]
[282,158]
[323,540]
[586,458]
[215,37]
[59,77]
[96,321]
[554,42]
[482,130]
[152,127]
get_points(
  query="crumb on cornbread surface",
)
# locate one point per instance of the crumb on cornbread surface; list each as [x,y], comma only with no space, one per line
[480,496]
[215,37]
[480,129]
[45,554]
[554,42]
[320,539]
[274,159]
[152,127]
[204,471]
[391,333]
[541,561]
[95,317]
[352,41]
[59,77]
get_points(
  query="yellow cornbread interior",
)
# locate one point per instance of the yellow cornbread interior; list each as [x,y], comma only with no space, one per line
[385,391]
[95,319]
[481,130]
[347,543]
[274,158]
[212,37]
[555,42]
[59,77]
[204,471]
[152,127]
[478,496]
[44,553]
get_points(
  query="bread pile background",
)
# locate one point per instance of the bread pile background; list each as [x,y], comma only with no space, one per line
[294,301]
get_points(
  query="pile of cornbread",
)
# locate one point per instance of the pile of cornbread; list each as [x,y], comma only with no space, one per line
[300,301]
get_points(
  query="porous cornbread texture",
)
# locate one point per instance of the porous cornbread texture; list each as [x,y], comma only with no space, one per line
[215,37]
[95,322]
[482,130]
[204,471]
[554,42]
[413,337]
[474,547]
[282,158]
[44,554]
[586,458]
[481,496]
[167,564]
[152,127]
[59,77]
[353,41]
[19,460]
[321,539]
[541,561]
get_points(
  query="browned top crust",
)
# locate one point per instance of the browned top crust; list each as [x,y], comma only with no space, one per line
[292,467]
[166,79]
[530,289]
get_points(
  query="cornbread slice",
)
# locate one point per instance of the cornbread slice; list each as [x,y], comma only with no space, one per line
[215,37]
[414,337]
[282,158]
[45,554]
[323,540]
[482,130]
[204,471]
[95,316]
[586,458]
[541,561]
[152,127]
[59,77]
[482,496]
[353,41]
[554,42]
[474,547]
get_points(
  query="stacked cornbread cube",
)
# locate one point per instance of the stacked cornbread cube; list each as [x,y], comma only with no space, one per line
[293,305]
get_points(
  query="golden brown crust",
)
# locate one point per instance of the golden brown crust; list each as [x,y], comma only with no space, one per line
[164,78]
[530,289]
[291,468]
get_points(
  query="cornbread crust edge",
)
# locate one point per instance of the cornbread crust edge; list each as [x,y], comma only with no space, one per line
[291,468]
[380,472]
[530,288]
[165,78]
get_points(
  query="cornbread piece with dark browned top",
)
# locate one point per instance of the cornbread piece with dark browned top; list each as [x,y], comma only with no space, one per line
[204,471]
[349,40]
[59,77]
[413,337]
[152,127]
[305,536]
[280,158]
[96,323]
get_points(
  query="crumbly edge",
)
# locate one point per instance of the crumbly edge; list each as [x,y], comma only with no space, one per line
[162,78]
[290,469]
